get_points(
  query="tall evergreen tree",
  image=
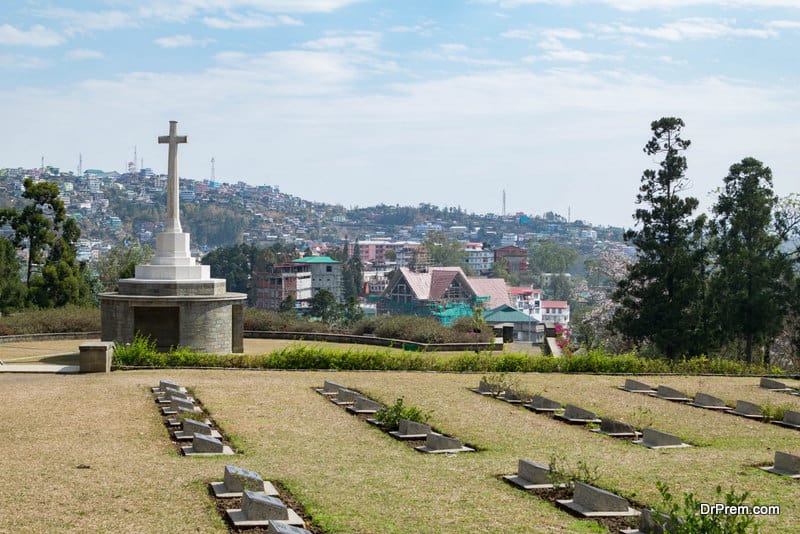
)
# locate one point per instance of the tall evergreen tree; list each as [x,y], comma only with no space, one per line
[12,290]
[751,283]
[659,299]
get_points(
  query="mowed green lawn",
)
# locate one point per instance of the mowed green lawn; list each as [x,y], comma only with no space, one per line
[351,477]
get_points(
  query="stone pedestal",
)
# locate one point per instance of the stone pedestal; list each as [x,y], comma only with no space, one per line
[96,357]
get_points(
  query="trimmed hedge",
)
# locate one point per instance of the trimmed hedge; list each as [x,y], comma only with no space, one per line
[68,318]
[139,354]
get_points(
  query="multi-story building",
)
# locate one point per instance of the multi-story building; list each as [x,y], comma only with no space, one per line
[280,282]
[479,259]
[374,251]
[527,300]
[555,311]
[517,258]
[326,273]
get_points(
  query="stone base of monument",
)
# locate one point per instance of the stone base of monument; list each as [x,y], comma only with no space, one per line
[221,492]
[190,451]
[96,357]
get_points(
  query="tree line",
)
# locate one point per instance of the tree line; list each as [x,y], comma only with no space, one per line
[699,284]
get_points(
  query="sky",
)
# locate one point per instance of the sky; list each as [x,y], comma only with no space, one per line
[448,102]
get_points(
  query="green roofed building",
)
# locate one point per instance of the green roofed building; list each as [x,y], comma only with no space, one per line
[524,325]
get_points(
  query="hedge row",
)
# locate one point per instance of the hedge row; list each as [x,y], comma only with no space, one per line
[140,354]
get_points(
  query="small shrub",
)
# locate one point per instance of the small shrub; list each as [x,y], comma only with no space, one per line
[686,517]
[390,416]
[563,473]
[775,412]
[68,318]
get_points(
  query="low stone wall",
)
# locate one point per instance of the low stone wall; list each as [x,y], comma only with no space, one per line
[375,341]
[308,336]
[54,336]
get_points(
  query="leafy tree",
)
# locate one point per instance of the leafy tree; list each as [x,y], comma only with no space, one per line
[38,222]
[659,299]
[62,279]
[121,261]
[324,306]
[234,264]
[559,288]
[12,290]
[445,252]
[752,281]
[390,255]
[547,256]
[287,304]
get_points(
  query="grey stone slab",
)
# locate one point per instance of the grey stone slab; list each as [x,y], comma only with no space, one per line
[330,388]
[655,439]
[278,527]
[634,386]
[514,397]
[411,430]
[648,525]
[531,475]
[171,393]
[791,419]
[484,388]
[203,443]
[668,393]
[543,404]
[192,427]
[575,414]
[259,510]
[346,396]
[438,443]
[589,501]
[785,464]
[774,385]
[164,384]
[617,429]
[709,402]
[236,480]
[176,404]
[365,405]
[748,409]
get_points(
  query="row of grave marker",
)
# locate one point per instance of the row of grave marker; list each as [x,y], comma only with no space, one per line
[575,415]
[177,405]
[261,505]
[355,402]
[750,410]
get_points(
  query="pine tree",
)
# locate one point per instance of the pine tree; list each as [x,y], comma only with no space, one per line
[752,281]
[660,298]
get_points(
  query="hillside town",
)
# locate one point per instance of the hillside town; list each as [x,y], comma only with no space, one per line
[491,270]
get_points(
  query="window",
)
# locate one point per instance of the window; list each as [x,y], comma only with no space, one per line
[328,269]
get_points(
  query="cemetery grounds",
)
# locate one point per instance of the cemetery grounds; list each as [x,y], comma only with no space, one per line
[89,453]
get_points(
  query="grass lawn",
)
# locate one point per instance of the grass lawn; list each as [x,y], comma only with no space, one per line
[88,453]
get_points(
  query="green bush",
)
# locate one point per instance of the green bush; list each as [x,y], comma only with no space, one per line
[68,318]
[389,417]
[686,517]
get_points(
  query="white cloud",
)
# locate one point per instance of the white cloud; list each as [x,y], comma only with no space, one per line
[80,54]
[785,24]
[641,5]
[249,20]
[689,29]
[181,10]
[180,41]
[365,41]
[37,36]
[77,22]
[533,34]
[23,62]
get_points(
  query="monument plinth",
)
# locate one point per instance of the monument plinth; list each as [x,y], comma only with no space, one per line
[173,299]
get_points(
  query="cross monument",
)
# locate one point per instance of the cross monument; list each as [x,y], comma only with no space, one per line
[173,189]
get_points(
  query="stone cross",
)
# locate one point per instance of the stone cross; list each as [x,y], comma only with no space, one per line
[173,193]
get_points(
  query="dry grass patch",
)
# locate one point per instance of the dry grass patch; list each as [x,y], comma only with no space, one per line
[350,476]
